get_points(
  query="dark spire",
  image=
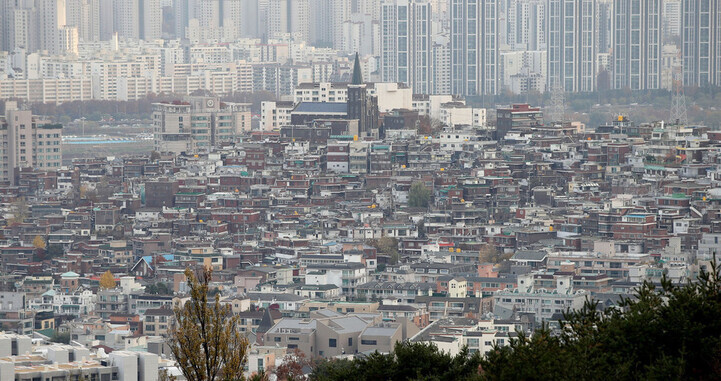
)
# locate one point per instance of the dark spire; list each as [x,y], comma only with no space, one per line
[357,73]
[266,323]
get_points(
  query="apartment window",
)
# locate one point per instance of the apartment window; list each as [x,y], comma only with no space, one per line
[369,342]
[276,339]
[331,343]
[350,341]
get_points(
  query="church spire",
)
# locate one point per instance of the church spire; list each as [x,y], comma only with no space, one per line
[357,73]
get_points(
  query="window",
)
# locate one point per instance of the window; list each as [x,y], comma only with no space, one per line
[276,339]
[350,341]
[331,343]
[368,342]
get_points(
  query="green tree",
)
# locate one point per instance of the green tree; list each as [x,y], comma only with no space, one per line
[667,332]
[152,289]
[419,196]
[55,250]
[387,246]
[205,340]
[408,361]
[61,337]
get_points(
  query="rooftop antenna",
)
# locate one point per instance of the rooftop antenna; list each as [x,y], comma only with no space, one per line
[679,113]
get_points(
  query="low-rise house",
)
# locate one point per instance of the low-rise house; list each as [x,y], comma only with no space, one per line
[544,303]
[158,321]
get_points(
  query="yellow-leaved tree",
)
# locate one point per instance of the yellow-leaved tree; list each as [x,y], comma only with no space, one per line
[107,280]
[205,340]
[39,242]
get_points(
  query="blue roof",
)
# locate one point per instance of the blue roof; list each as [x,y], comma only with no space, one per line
[167,257]
[149,258]
[322,108]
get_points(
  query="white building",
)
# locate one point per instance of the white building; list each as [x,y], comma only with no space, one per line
[457,114]
[524,66]
[274,115]
[526,25]
[52,18]
[544,303]
[78,303]
[392,96]
[320,92]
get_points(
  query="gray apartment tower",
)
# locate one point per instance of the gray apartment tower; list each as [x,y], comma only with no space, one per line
[474,47]
[701,40]
[571,39]
[637,33]
[407,44]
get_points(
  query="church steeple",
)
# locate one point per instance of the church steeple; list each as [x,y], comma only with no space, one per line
[357,73]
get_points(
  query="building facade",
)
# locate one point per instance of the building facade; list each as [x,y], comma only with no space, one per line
[701,36]
[27,141]
[474,47]
[198,124]
[407,44]
[571,28]
[637,33]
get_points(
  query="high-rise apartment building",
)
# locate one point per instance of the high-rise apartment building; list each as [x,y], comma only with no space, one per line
[68,40]
[107,19]
[198,124]
[526,24]
[407,44]
[85,15]
[671,19]
[52,18]
[288,17]
[300,20]
[21,30]
[474,47]
[182,10]
[637,44]
[27,141]
[208,13]
[340,11]
[89,27]
[126,18]
[604,26]
[151,19]
[441,65]
[232,13]
[571,39]
[701,42]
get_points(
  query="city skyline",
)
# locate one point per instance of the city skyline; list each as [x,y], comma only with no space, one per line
[458,47]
